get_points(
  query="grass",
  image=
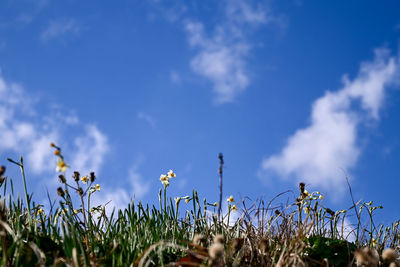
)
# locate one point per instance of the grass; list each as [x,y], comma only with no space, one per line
[303,232]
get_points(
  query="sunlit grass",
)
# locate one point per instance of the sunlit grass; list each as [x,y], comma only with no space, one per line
[186,231]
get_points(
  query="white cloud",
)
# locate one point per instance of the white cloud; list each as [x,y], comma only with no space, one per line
[221,56]
[25,131]
[139,187]
[60,27]
[120,197]
[318,153]
[91,149]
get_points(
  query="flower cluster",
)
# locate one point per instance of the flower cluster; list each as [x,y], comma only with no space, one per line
[230,200]
[61,165]
[165,178]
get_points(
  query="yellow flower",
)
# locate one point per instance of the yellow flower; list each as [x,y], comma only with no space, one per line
[307,209]
[321,197]
[61,166]
[187,200]
[373,242]
[40,211]
[234,208]
[84,179]
[230,199]
[76,211]
[306,193]
[171,174]
[215,204]
[97,186]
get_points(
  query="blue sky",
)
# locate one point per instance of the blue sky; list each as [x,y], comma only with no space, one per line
[288,91]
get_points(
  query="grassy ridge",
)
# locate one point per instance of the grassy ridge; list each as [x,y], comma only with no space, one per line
[74,233]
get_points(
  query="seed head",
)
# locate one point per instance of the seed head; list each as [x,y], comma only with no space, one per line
[302,187]
[366,257]
[76,176]
[92,177]
[57,152]
[2,170]
[80,191]
[52,144]
[389,255]
[60,192]
[216,251]
[331,212]
[62,178]
[219,239]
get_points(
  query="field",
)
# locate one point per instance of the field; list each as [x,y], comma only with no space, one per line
[72,232]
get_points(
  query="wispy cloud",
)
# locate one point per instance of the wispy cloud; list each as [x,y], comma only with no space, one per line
[60,27]
[147,118]
[221,56]
[318,153]
[175,77]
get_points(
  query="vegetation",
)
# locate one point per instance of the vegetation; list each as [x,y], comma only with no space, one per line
[75,233]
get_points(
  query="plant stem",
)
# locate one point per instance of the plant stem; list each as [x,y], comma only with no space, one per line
[221,163]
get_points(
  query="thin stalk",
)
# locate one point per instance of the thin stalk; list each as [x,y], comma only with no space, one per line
[220,169]
[28,204]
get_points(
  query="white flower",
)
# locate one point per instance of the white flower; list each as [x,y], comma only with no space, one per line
[171,174]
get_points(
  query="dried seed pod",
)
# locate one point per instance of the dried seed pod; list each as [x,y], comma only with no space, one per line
[76,176]
[60,192]
[62,178]
[302,187]
[2,170]
[80,191]
[92,177]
